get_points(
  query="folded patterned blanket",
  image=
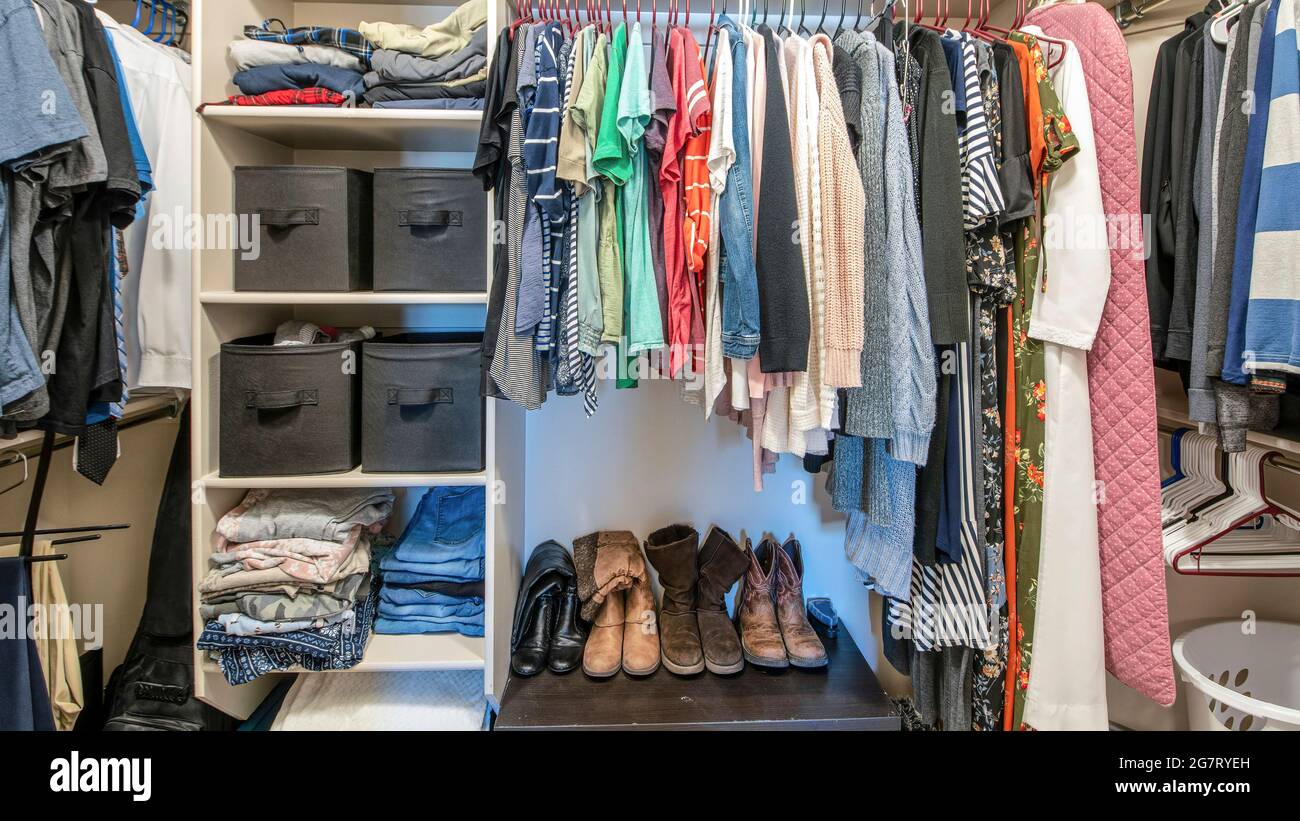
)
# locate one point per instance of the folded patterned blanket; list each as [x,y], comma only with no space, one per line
[328,515]
[335,647]
[219,579]
[309,560]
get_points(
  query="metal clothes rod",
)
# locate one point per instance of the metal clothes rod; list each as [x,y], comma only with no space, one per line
[1282,463]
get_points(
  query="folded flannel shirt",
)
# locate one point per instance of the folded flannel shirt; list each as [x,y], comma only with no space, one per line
[293,96]
[349,40]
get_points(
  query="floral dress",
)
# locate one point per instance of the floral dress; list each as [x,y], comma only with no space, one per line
[995,288]
[1031,411]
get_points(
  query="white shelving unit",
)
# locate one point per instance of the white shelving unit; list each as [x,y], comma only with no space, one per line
[226,137]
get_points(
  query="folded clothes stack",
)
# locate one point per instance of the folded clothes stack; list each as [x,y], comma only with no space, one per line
[290,583]
[308,65]
[433,579]
[386,65]
[439,66]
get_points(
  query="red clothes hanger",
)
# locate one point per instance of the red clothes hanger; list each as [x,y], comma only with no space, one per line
[1188,560]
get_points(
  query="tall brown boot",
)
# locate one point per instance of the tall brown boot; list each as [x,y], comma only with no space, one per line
[801,644]
[760,633]
[672,551]
[640,630]
[721,562]
[603,654]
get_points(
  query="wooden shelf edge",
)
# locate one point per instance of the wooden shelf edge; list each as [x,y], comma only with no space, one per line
[1170,411]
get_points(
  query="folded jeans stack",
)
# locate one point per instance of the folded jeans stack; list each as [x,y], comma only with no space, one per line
[433,579]
[289,583]
[441,66]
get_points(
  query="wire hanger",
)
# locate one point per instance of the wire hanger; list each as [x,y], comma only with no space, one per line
[17,457]
[821,24]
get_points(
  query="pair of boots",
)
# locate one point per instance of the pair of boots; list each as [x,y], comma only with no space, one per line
[696,632]
[547,632]
[774,628]
[619,603]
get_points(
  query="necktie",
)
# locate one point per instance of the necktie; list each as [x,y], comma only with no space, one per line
[97,450]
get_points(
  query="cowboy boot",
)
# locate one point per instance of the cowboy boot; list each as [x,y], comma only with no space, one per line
[801,643]
[721,562]
[672,551]
[760,633]
[640,630]
[603,654]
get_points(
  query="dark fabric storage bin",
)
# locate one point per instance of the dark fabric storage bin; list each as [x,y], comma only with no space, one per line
[292,409]
[430,230]
[315,230]
[421,407]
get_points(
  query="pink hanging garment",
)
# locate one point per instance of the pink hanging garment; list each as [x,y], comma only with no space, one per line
[1121,377]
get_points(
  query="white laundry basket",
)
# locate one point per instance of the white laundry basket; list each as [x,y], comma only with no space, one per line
[1242,681]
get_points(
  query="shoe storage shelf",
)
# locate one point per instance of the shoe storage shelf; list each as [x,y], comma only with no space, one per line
[227,137]
[843,695]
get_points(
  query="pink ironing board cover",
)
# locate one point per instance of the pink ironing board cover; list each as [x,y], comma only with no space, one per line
[1121,376]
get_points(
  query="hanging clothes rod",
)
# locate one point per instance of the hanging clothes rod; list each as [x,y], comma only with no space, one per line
[155,408]
[1281,462]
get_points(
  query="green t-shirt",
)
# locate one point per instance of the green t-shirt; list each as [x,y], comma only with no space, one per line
[612,159]
[643,326]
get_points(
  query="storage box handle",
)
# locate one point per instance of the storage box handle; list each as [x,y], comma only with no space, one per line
[420,396]
[277,400]
[425,218]
[289,216]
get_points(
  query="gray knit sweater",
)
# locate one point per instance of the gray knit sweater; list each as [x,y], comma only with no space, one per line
[869,409]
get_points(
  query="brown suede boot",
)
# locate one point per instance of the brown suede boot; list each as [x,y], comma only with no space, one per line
[672,552]
[760,633]
[722,562]
[603,654]
[801,644]
[640,630]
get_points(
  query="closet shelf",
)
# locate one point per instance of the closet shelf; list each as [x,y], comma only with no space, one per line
[135,408]
[353,478]
[1172,412]
[395,654]
[346,298]
[353,129]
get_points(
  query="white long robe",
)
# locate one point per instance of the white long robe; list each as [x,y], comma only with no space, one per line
[1067,680]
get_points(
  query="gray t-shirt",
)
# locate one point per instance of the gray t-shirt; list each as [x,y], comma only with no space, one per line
[37,113]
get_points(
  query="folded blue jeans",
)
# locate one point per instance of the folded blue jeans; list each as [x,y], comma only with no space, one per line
[464,607]
[411,595]
[410,627]
[458,570]
[449,523]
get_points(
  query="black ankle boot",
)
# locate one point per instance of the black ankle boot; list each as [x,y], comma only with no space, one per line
[529,657]
[569,637]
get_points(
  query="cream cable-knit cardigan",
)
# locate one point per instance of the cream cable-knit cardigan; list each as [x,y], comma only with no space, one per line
[843,217]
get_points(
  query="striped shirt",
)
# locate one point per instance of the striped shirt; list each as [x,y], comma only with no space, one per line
[541,154]
[696,227]
[981,192]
